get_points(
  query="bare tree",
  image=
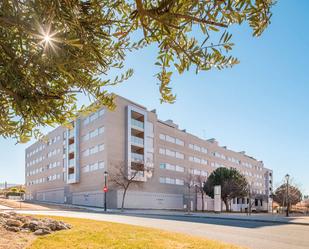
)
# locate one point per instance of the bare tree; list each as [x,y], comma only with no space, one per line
[122,179]
[189,184]
[199,184]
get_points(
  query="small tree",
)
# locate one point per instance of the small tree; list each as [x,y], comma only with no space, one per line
[233,184]
[123,180]
[294,197]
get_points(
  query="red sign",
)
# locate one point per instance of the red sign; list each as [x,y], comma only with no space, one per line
[105,189]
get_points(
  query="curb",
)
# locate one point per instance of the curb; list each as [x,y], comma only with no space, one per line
[210,217]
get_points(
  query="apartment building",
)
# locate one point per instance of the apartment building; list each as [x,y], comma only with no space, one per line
[70,167]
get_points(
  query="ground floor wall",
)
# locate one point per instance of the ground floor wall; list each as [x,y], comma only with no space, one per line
[150,200]
[140,200]
[52,195]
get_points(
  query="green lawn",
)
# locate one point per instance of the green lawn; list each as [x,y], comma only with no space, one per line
[89,234]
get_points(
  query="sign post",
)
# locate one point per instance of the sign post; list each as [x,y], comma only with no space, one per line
[105,189]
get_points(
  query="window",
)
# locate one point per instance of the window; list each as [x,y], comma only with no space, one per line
[180,155]
[167,180]
[93,167]
[170,139]
[93,116]
[180,142]
[170,153]
[204,150]
[86,121]
[172,167]
[101,130]
[85,169]
[86,152]
[101,165]
[93,150]
[101,147]
[101,112]
[94,133]
[179,168]
[170,180]
[85,137]
[179,182]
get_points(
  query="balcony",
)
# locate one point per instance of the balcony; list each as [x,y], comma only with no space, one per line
[137,124]
[137,141]
[71,148]
[71,133]
[71,163]
[137,158]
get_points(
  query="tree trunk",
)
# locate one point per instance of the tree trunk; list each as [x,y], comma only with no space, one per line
[123,197]
[202,202]
[227,208]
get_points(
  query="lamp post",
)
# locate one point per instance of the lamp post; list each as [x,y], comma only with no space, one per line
[105,189]
[287,177]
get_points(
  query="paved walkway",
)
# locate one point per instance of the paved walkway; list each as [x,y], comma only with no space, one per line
[275,218]
[4,208]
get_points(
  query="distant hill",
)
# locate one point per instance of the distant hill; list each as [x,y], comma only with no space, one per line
[9,185]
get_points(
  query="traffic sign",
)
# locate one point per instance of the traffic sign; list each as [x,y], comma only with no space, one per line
[105,189]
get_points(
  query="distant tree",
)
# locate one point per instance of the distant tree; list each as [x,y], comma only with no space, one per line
[13,189]
[51,51]
[121,179]
[233,184]
[280,195]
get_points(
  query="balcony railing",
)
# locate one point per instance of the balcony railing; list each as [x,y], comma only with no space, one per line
[137,157]
[137,140]
[137,173]
[137,123]
[71,176]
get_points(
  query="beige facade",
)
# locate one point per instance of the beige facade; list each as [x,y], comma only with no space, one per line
[70,167]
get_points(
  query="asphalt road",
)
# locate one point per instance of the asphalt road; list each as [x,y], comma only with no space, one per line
[251,234]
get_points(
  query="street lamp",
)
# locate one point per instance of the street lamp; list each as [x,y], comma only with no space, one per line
[287,177]
[105,189]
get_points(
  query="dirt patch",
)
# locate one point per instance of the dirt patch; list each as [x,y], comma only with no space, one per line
[23,205]
[35,206]
[11,240]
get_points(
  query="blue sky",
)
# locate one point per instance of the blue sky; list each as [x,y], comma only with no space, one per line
[260,106]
